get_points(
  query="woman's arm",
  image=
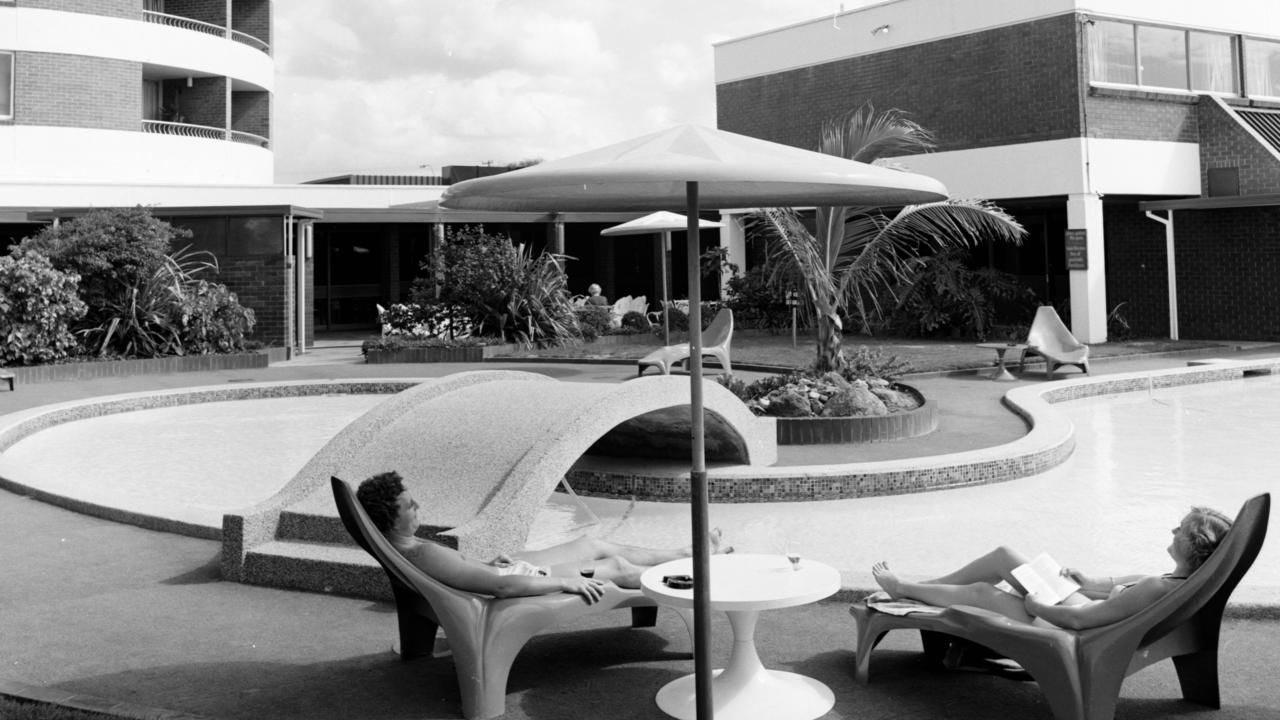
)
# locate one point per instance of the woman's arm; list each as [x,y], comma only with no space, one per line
[450,568]
[1102,612]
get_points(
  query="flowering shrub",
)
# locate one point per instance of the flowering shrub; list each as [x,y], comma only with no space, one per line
[37,306]
[213,320]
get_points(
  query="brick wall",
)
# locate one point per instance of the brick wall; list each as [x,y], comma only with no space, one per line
[210,11]
[261,282]
[251,112]
[1225,144]
[107,8]
[1013,84]
[205,102]
[252,17]
[77,91]
[1137,115]
[1228,261]
[1137,272]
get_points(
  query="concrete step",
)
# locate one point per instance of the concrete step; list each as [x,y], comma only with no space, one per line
[317,567]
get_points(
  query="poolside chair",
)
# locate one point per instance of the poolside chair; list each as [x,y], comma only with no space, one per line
[715,342]
[1051,340]
[1080,672]
[485,633]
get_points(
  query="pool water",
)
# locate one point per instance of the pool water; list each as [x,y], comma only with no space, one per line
[191,462]
[1142,460]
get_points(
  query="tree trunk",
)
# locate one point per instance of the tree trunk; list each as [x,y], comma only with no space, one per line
[830,352]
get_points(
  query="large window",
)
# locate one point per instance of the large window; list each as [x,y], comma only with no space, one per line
[1162,57]
[6,85]
[1262,67]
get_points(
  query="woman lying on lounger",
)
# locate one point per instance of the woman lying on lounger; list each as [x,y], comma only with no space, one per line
[1099,601]
[538,572]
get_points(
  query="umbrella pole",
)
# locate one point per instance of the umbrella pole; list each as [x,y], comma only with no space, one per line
[665,239]
[698,475]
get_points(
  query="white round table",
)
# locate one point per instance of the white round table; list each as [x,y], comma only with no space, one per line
[742,585]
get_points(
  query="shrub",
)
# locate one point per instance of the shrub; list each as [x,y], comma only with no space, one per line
[37,306]
[863,363]
[213,320]
[111,251]
[431,318]
[947,296]
[755,304]
[593,321]
[397,342]
[635,322]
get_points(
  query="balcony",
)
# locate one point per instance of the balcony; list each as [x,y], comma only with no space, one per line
[176,21]
[162,127]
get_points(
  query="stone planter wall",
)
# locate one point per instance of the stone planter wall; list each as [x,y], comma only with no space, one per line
[124,368]
[875,428]
[426,355]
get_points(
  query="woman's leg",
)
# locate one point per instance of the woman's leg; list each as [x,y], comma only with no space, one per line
[588,548]
[978,594]
[615,568]
[991,568]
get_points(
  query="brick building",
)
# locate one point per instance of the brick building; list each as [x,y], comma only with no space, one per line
[1145,136]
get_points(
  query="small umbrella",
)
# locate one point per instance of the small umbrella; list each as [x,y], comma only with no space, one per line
[660,222]
[681,169]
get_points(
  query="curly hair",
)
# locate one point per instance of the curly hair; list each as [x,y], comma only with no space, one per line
[379,495]
[1205,529]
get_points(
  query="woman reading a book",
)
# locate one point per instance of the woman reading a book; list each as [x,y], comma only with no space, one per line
[1088,601]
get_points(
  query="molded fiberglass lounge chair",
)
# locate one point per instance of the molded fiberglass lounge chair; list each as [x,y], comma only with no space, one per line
[1080,672]
[715,342]
[1051,340]
[485,633]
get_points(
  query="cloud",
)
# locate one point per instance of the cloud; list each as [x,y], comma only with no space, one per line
[384,86]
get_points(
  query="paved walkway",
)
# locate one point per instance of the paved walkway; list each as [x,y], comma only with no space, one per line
[110,616]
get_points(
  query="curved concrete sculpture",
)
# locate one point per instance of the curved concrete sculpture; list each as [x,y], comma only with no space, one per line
[484,456]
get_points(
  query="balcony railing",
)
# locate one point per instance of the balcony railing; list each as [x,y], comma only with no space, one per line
[203,27]
[162,127]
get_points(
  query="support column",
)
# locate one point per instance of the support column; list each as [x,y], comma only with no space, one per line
[1088,284]
[733,237]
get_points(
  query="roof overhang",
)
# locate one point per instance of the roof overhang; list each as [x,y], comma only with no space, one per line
[1222,202]
[192,211]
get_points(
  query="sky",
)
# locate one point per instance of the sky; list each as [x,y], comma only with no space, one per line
[409,86]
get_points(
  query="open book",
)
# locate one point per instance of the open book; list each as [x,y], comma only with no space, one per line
[1043,576]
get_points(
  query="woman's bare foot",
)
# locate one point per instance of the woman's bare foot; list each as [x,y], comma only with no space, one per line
[717,542]
[887,580]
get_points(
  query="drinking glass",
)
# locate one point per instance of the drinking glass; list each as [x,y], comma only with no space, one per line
[793,554]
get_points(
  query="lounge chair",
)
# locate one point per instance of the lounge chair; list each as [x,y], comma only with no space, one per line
[715,342]
[1051,340]
[1080,672]
[485,633]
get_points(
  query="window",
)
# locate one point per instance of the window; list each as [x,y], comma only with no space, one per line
[1162,57]
[1113,54]
[1214,64]
[6,85]
[1262,67]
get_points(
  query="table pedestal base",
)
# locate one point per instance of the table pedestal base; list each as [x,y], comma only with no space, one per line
[771,694]
[746,689]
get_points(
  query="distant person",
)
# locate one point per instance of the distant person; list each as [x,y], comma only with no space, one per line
[594,297]
[1099,601]
[561,568]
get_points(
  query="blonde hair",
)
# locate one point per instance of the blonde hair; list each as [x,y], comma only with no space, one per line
[1205,528]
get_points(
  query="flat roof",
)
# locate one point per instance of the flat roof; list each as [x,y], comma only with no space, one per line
[190,211]
[1221,202]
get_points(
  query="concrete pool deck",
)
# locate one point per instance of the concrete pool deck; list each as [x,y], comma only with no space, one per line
[111,613]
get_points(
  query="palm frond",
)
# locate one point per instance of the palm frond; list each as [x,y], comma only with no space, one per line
[863,135]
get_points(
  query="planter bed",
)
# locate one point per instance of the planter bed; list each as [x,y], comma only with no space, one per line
[148,366]
[872,428]
[469,354]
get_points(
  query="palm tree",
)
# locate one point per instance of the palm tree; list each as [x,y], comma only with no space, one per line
[855,253]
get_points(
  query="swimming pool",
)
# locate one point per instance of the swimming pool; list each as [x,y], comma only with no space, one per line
[1141,461]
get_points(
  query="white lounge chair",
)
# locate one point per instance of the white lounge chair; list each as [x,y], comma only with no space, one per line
[715,342]
[1051,340]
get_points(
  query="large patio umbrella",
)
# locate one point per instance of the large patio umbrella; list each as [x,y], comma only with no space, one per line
[685,168]
[661,222]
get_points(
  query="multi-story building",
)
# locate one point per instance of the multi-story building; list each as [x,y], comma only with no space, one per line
[136,91]
[1138,142]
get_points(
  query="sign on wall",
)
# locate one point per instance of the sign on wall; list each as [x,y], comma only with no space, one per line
[1077,244]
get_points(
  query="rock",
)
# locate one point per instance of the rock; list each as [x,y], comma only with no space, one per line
[895,400]
[854,402]
[787,402]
